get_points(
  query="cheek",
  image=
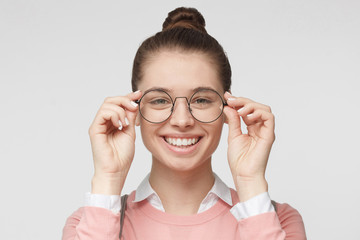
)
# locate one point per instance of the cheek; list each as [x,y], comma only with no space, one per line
[148,132]
[215,132]
[145,129]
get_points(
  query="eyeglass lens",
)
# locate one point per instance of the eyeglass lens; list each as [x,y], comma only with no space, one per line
[156,106]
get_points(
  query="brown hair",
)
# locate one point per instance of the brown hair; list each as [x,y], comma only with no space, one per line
[183,29]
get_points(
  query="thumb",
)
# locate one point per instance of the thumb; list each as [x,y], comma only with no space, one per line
[130,129]
[131,115]
[234,122]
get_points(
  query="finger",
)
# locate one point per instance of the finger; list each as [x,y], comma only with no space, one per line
[128,101]
[252,107]
[234,122]
[105,120]
[240,102]
[129,128]
[260,116]
[237,102]
[123,120]
[135,95]
[126,118]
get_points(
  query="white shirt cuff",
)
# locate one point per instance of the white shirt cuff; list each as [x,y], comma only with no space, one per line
[254,206]
[111,202]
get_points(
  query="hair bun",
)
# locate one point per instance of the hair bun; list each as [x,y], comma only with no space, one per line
[186,18]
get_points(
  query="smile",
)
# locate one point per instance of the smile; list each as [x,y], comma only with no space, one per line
[182,142]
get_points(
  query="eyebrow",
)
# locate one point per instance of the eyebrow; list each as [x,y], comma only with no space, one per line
[203,88]
[157,89]
[170,91]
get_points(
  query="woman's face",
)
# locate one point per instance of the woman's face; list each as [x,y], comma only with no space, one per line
[179,74]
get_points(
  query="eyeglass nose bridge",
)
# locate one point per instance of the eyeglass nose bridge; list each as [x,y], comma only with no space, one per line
[187,101]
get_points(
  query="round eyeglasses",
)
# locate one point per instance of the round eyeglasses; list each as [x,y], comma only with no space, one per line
[205,105]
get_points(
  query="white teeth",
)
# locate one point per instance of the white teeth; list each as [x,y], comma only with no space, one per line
[181,141]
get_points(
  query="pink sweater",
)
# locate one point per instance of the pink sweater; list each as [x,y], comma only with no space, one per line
[142,221]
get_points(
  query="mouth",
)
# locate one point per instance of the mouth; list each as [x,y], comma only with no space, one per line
[182,142]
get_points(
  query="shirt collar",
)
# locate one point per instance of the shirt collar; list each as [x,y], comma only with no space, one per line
[144,190]
[219,188]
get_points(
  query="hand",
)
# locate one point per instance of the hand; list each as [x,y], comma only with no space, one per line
[248,153]
[112,136]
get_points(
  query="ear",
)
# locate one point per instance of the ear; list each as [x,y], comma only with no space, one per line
[225,119]
[137,120]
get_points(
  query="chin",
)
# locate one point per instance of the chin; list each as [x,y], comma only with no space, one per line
[180,164]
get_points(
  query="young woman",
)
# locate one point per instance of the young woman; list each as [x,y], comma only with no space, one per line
[181,81]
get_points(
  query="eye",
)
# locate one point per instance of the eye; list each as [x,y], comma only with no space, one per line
[160,101]
[202,101]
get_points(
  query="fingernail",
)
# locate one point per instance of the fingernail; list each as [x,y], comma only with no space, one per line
[126,121]
[231,99]
[121,126]
[228,93]
[133,103]
[136,91]
[239,110]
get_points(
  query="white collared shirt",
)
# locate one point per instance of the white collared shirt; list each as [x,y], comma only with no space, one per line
[219,190]
[254,206]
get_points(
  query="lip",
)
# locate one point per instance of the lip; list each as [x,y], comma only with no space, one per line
[182,135]
[181,150]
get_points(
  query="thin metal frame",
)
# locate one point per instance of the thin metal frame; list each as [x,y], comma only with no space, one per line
[188,103]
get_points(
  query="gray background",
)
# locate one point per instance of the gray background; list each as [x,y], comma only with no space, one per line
[60,59]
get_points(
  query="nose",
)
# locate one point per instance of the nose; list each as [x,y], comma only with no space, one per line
[181,116]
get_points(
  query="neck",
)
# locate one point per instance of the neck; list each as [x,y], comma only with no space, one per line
[181,192]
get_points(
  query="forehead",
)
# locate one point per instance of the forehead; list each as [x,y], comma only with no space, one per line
[180,72]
